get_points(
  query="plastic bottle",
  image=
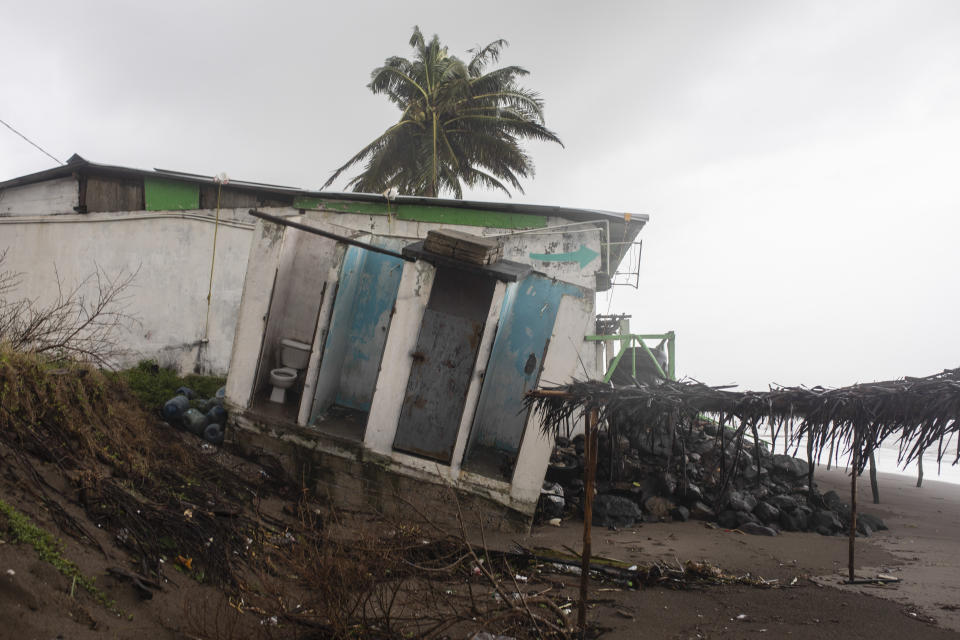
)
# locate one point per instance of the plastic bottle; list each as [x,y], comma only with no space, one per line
[174,408]
[213,433]
[217,414]
[194,421]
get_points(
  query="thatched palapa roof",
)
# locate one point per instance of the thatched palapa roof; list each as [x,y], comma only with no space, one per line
[916,413]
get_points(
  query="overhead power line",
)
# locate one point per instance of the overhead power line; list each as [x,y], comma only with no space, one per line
[30,141]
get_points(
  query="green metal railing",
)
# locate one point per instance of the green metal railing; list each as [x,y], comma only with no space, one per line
[630,340]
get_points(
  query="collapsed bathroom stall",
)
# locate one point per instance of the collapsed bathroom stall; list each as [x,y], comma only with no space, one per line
[354,342]
[418,362]
[293,311]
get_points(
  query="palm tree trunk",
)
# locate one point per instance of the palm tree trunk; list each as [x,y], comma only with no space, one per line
[434,194]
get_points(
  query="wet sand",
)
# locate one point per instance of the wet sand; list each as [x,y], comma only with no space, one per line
[924,538]
[922,548]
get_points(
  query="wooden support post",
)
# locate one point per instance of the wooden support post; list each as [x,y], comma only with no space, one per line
[756,451]
[854,467]
[874,487]
[810,484]
[920,469]
[590,475]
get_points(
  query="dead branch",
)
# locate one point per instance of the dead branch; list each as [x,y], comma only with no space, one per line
[82,322]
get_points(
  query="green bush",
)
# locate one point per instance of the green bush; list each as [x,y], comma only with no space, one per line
[153,385]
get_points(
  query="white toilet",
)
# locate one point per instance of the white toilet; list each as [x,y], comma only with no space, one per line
[294,356]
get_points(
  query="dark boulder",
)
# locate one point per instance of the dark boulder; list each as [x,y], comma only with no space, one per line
[700,511]
[871,521]
[741,501]
[783,502]
[793,521]
[766,512]
[658,507]
[727,519]
[703,446]
[826,523]
[790,466]
[615,511]
[680,513]
[692,494]
[668,483]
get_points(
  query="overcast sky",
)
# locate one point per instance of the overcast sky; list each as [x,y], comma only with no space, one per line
[800,161]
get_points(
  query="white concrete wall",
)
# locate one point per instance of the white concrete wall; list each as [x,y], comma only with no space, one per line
[416,282]
[172,251]
[254,310]
[560,236]
[42,198]
[171,254]
[582,245]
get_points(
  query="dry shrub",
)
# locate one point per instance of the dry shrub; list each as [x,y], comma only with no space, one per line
[81,323]
[316,574]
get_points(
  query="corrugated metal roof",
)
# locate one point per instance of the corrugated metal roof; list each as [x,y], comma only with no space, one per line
[76,164]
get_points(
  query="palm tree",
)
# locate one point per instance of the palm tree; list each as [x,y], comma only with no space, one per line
[460,124]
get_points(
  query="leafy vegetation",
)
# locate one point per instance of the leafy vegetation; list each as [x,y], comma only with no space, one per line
[153,385]
[460,124]
[50,550]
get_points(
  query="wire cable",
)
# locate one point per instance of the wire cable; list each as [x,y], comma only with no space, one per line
[31,142]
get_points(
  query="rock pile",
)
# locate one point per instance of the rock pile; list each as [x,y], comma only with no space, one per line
[651,476]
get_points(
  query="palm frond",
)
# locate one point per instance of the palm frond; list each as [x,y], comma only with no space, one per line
[482,118]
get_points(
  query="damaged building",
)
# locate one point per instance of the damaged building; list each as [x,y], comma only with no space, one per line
[382,346]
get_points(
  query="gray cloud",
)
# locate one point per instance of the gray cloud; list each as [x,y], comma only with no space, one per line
[798,159]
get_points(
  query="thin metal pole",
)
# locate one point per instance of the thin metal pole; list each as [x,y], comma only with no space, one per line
[590,474]
[326,234]
[672,356]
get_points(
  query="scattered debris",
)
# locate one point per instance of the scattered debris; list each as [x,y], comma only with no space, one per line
[204,417]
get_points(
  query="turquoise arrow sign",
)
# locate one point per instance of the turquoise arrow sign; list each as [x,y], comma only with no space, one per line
[584,255]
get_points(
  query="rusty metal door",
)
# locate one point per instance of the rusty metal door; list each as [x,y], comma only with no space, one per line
[442,364]
[526,324]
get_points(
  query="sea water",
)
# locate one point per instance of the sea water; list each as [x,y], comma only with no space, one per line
[886,457]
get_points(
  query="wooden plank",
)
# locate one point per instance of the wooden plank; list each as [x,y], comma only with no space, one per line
[463,246]
[229,198]
[114,194]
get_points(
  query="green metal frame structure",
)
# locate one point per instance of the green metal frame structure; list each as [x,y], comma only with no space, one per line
[628,340]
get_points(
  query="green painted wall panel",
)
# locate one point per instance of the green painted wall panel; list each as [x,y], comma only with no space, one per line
[427,213]
[472,217]
[170,195]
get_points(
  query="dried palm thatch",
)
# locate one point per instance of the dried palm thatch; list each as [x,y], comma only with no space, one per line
[915,413]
